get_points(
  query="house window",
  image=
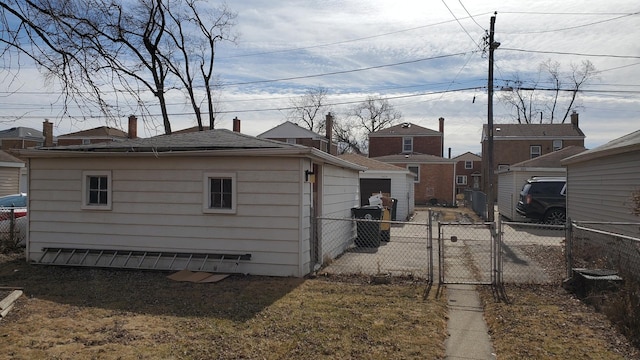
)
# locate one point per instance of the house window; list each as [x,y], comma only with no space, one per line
[461,180]
[219,193]
[502,167]
[468,164]
[86,141]
[415,169]
[557,145]
[291,141]
[96,190]
[535,151]
[407,144]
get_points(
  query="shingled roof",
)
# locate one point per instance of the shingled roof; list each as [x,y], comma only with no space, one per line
[552,159]
[102,131]
[371,164]
[405,129]
[215,139]
[533,131]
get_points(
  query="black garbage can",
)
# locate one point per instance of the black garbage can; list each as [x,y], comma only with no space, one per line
[369,228]
[394,208]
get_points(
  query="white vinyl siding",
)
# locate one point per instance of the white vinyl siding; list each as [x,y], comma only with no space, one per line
[157,205]
[600,189]
[341,191]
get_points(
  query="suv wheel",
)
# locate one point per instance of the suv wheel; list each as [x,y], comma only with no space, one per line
[555,217]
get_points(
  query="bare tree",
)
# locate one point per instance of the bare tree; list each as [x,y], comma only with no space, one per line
[369,116]
[124,46]
[375,113]
[348,137]
[554,99]
[309,109]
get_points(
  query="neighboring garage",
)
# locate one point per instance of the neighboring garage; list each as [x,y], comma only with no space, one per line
[388,179]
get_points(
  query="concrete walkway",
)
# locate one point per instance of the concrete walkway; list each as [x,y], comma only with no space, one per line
[468,333]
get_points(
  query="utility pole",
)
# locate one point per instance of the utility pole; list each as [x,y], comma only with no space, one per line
[490,190]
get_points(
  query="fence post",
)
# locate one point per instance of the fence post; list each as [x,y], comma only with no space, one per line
[430,245]
[12,227]
[568,243]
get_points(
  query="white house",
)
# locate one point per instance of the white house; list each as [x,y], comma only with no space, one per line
[214,200]
[385,178]
[511,180]
[602,182]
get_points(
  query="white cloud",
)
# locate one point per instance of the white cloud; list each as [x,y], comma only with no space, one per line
[341,36]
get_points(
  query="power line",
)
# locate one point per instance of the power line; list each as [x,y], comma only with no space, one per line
[347,41]
[343,71]
[459,23]
[572,27]
[570,53]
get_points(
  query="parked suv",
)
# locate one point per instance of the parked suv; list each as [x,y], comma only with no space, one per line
[544,199]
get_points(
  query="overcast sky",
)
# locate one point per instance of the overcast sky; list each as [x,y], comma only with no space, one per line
[424,56]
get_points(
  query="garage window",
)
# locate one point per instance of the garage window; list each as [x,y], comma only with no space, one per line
[96,190]
[220,193]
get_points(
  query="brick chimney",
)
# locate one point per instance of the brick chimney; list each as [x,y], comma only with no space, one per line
[441,129]
[574,119]
[236,124]
[329,131]
[47,132]
[133,127]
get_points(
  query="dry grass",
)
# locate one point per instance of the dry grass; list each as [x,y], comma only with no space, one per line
[546,322]
[108,314]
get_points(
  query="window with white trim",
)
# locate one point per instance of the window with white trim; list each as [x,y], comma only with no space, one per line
[535,151]
[96,190]
[219,193]
[468,164]
[557,145]
[461,180]
[407,144]
[415,170]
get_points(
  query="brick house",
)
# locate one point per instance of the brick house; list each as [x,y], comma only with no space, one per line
[99,135]
[433,176]
[468,172]
[295,134]
[514,143]
[419,150]
[407,138]
[20,138]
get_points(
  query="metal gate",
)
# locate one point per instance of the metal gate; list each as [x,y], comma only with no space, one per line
[468,253]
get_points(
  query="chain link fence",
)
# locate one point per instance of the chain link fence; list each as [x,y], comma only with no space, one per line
[381,248]
[532,253]
[466,253]
[605,245]
[12,228]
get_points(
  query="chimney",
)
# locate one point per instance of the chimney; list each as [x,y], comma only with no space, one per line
[574,119]
[329,131]
[47,132]
[236,124]
[133,127]
[441,129]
